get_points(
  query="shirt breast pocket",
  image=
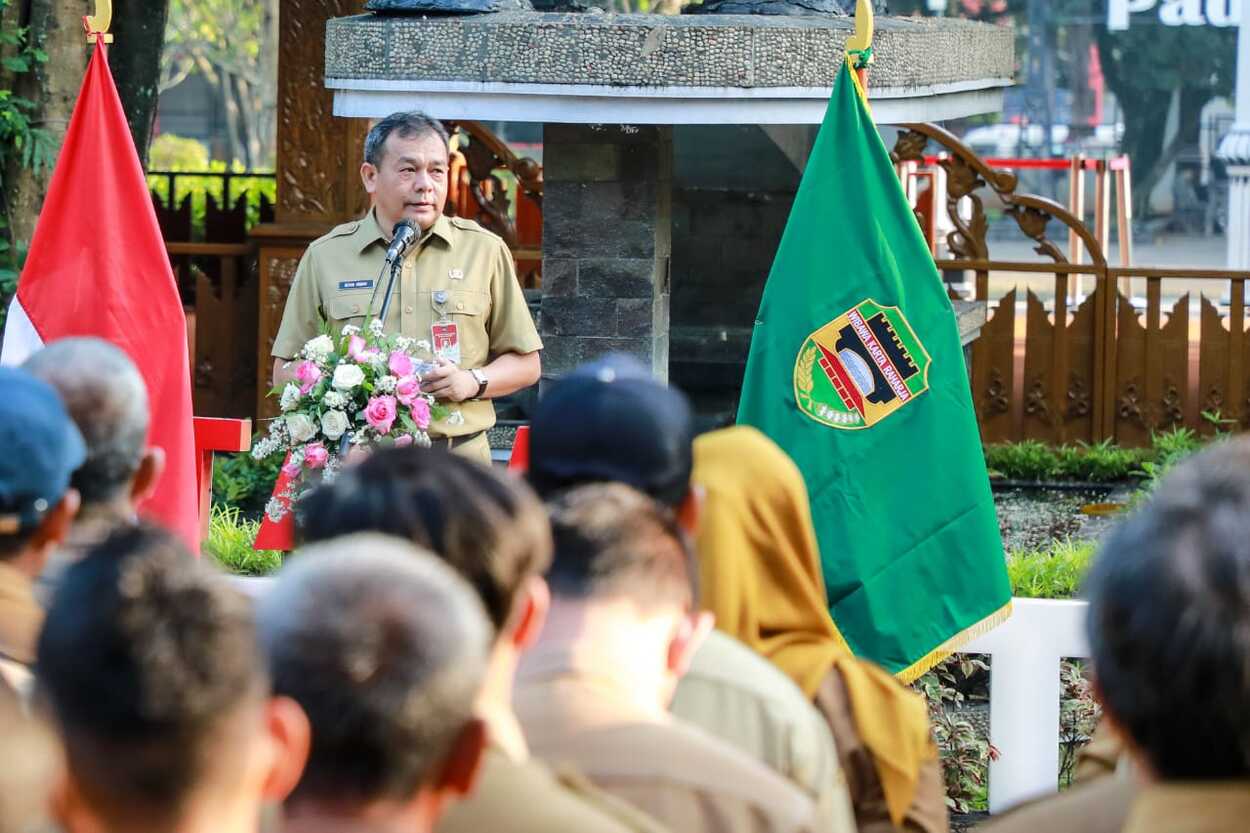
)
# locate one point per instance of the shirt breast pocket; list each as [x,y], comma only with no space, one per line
[469,310]
[343,308]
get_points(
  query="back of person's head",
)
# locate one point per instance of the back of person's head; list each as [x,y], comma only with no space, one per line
[150,664]
[610,422]
[384,647]
[41,449]
[29,761]
[1169,620]
[488,525]
[106,397]
[614,542]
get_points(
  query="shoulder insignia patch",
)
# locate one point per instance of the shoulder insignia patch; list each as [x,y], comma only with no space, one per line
[860,367]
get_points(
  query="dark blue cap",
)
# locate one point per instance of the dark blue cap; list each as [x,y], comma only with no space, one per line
[609,420]
[40,448]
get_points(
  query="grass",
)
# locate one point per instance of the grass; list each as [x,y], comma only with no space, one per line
[1055,573]
[230,539]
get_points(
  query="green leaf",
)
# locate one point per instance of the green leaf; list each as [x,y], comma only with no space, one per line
[16,63]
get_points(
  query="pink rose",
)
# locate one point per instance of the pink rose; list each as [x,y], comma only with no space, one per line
[380,413]
[400,363]
[407,389]
[315,455]
[293,466]
[308,374]
[420,410]
[356,349]
[403,441]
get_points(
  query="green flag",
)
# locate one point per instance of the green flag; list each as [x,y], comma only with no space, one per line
[857,371]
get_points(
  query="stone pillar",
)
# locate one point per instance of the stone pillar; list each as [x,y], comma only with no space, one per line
[1234,151]
[607,214]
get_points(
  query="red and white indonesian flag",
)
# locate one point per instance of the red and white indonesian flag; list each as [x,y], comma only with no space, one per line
[97,266]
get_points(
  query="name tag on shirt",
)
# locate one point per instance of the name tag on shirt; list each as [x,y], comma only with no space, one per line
[365,284]
[445,338]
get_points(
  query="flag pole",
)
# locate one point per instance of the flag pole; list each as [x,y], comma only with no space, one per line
[859,45]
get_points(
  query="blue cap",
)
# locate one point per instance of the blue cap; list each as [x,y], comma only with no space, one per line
[610,421]
[40,448]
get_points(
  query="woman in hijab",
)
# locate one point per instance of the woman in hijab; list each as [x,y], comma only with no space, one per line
[759,573]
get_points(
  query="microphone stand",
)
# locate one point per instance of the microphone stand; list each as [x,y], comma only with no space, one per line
[390,281]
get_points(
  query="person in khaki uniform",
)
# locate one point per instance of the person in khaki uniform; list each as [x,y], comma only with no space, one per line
[457,277]
[759,568]
[491,528]
[594,692]
[1169,637]
[42,449]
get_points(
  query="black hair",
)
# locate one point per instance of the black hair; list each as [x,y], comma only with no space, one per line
[489,526]
[1169,619]
[406,125]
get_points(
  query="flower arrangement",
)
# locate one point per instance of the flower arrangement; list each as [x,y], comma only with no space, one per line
[348,397]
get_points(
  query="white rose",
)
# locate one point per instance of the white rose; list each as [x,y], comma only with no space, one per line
[333,424]
[290,396]
[348,376]
[302,427]
[319,348]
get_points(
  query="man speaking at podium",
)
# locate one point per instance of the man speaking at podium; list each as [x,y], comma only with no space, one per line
[455,286]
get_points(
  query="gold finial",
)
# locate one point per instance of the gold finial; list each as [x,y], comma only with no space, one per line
[97,25]
[861,41]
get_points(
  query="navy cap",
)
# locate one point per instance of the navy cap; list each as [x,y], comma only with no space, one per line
[40,448]
[609,420]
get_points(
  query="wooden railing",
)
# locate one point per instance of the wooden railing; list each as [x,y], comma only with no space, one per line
[1062,365]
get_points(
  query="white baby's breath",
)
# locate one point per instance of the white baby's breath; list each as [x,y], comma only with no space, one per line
[290,396]
[350,330]
[375,327]
[385,384]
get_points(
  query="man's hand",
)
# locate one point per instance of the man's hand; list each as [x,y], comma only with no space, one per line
[448,381]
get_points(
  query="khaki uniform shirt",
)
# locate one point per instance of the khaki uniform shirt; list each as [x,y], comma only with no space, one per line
[686,779]
[735,694]
[459,272]
[1097,807]
[525,797]
[1172,807]
[21,617]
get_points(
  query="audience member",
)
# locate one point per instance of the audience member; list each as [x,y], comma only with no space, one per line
[106,397]
[595,690]
[492,530]
[760,571]
[39,450]
[150,665]
[385,648]
[1169,631]
[609,421]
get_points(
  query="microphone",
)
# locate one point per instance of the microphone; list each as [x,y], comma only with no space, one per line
[402,236]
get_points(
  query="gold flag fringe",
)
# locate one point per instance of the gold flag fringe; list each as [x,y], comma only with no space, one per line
[917,669]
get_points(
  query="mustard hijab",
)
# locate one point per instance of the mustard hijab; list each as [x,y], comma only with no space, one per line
[760,574]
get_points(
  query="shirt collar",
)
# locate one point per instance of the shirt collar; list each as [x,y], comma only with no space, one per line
[370,230]
[1191,807]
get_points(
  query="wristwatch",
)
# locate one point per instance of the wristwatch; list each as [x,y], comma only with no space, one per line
[480,375]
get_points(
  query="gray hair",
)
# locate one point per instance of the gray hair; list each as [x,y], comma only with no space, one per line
[385,647]
[108,400]
[406,125]
[1169,619]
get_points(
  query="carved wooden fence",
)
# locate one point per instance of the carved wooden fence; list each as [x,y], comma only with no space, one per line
[1084,368]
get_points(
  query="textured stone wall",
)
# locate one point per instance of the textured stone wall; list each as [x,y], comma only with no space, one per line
[657,50]
[607,209]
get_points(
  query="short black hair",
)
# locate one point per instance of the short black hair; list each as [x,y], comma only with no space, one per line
[489,526]
[1169,619]
[404,124]
[612,540]
[145,653]
[384,647]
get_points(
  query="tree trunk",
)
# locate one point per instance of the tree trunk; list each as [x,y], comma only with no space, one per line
[139,35]
[53,86]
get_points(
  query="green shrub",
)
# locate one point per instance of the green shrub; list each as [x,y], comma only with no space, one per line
[242,482]
[200,186]
[1056,573]
[1103,462]
[170,152]
[230,540]
[1027,460]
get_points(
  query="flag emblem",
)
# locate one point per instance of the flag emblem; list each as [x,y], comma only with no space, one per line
[860,367]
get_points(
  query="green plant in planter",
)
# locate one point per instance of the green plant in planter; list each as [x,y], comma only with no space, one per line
[1102,462]
[1079,714]
[1027,460]
[1056,573]
[230,540]
[240,481]
[964,753]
